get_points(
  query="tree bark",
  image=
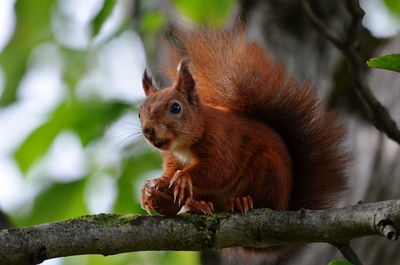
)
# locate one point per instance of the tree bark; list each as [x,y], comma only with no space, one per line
[109,234]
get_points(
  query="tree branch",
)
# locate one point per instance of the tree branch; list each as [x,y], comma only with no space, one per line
[109,234]
[349,45]
[349,253]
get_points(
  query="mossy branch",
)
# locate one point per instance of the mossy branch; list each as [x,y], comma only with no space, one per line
[109,234]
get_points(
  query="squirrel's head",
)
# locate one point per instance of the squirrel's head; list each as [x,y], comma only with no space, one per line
[169,116]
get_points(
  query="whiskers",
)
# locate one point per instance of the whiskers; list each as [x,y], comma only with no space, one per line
[123,134]
[126,134]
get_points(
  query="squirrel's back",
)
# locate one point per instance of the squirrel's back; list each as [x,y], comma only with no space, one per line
[234,74]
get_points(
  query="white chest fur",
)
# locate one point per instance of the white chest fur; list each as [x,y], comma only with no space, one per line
[185,156]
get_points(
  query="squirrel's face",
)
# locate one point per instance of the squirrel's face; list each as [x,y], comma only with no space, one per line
[168,116]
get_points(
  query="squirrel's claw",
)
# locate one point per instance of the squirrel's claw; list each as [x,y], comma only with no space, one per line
[242,204]
[199,206]
[176,190]
[148,209]
[145,193]
[211,206]
[182,182]
[145,206]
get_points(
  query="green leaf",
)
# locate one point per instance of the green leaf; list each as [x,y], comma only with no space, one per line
[37,144]
[210,12]
[91,118]
[75,65]
[58,202]
[144,257]
[340,262]
[393,6]
[120,259]
[32,28]
[181,258]
[88,119]
[152,22]
[134,167]
[102,16]
[388,62]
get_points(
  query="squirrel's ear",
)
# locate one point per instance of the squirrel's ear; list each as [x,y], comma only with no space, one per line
[185,82]
[147,83]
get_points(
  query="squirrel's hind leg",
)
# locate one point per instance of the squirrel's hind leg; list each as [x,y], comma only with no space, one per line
[267,180]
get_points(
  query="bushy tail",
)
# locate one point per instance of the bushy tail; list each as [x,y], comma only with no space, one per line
[233,73]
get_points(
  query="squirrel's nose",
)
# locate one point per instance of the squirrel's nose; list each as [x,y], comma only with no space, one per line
[149,133]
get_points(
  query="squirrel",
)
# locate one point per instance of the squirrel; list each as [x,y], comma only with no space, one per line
[236,132]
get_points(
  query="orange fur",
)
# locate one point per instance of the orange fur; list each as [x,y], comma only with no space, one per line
[253,130]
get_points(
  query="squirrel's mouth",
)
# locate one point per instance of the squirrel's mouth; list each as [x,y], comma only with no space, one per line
[160,144]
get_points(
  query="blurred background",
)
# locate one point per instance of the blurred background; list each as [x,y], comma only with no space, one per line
[70,86]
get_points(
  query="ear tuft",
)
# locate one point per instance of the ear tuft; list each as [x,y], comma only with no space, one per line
[183,65]
[147,83]
[185,83]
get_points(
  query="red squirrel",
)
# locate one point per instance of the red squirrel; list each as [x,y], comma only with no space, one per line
[236,132]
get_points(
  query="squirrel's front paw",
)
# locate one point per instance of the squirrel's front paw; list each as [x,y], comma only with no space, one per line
[182,182]
[242,204]
[146,195]
[158,197]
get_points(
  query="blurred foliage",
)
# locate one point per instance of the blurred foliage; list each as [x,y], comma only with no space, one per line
[393,6]
[88,117]
[340,262]
[150,25]
[152,22]
[133,168]
[141,258]
[388,62]
[206,11]
[58,202]
[33,27]
[101,17]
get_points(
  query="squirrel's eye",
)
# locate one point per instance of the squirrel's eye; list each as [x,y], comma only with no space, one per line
[175,108]
[139,115]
